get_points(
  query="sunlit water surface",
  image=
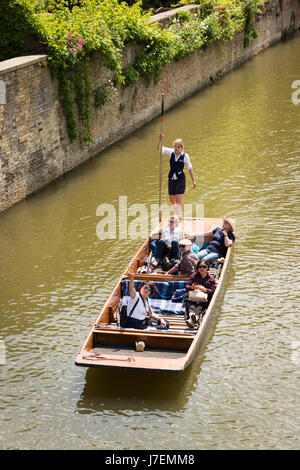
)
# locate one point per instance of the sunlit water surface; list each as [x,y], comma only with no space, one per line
[242,391]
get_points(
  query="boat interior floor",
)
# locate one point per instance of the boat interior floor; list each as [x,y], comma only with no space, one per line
[130,351]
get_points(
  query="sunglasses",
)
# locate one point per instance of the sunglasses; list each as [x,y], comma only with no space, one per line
[181,246]
[147,287]
[203,266]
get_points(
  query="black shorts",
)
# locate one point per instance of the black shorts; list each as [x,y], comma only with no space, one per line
[176,187]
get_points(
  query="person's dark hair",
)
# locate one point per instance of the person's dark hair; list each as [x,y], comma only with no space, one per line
[147,283]
[202,261]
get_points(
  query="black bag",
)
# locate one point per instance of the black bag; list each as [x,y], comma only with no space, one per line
[158,325]
[186,305]
[122,314]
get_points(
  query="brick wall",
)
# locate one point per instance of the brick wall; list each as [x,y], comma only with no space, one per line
[34,144]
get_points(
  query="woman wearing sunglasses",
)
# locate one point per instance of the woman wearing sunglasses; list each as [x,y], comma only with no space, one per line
[139,307]
[204,282]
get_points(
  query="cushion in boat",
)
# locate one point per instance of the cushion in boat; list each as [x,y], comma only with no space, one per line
[167,297]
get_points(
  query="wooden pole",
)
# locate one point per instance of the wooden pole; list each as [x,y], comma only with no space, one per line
[160,160]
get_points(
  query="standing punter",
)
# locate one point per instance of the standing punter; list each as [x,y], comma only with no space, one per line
[177,182]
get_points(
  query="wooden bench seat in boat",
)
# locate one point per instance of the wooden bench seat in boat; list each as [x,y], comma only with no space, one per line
[149,330]
[153,339]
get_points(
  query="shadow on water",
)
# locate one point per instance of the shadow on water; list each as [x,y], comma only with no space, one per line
[112,389]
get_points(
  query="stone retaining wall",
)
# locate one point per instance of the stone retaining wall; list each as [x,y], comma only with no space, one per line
[34,144]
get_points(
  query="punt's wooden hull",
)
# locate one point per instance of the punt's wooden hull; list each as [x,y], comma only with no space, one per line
[173,350]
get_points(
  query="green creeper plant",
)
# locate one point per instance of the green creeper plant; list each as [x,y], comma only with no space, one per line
[72,31]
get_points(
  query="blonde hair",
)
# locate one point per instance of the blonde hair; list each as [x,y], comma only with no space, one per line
[175,218]
[179,141]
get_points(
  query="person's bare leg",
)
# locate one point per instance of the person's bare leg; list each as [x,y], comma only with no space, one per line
[173,202]
[178,207]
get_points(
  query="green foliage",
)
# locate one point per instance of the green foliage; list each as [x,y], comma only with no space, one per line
[75,91]
[15,26]
[103,94]
[83,94]
[66,95]
[187,35]
[72,30]
[149,4]
[253,11]
[157,53]
[131,75]
[250,31]
[53,5]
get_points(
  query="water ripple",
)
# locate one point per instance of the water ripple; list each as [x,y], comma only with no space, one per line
[242,390]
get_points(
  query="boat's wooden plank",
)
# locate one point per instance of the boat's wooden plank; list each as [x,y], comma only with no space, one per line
[166,340]
[174,323]
[115,350]
[157,333]
[157,277]
[175,363]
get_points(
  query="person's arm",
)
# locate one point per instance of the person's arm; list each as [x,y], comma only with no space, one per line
[166,236]
[199,238]
[193,177]
[188,165]
[211,285]
[161,148]
[190,283]
[132,290]
[155,316]
[209,288]
[227,241]
[174,269]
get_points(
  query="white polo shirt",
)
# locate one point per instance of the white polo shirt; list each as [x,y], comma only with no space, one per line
[170,236]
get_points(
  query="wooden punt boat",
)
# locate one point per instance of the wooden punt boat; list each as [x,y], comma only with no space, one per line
[108,345]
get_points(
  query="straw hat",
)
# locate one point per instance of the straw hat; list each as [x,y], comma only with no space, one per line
[186,242]
[230,222]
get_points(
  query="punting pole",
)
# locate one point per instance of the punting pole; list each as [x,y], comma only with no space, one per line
[160,160]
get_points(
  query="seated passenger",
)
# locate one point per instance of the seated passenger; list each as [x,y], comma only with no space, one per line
[222,239]
[168,245]
[139,307]
[200,281]
[187,264]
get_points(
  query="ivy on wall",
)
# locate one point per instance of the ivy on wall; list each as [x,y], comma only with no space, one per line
[70,31]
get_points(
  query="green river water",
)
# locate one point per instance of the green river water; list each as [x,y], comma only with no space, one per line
[242,391]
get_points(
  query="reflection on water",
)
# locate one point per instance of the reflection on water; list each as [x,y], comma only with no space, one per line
[243,139]
[135,390]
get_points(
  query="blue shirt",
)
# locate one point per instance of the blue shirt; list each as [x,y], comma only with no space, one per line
[218,244]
